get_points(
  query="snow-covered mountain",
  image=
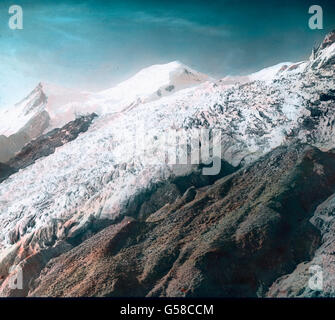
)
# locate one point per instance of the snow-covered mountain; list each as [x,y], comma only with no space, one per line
[148,85]
[50,206]
[49,106]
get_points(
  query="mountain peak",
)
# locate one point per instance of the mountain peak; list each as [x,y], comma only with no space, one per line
[324,55]
[328,40]
[159,71]
[154,82]
[36,100]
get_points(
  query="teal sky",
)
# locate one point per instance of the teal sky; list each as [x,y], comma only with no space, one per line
[93,45]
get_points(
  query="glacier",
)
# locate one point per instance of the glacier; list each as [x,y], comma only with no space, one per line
[97,176]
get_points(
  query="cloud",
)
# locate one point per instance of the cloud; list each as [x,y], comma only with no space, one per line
[175,22]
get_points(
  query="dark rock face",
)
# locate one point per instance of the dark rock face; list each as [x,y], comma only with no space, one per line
[5,171]
[330,95]
[232,238]
[169,88]
[11,145]
[45,145]
[297,283]
[329,39]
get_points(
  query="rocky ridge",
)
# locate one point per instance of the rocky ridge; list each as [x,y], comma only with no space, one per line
[233,238]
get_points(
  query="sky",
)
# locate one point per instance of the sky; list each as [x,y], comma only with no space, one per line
[93,45]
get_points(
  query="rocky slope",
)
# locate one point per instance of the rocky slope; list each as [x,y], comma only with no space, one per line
[322,265]
[45,145]
[231,238]
[50,208]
